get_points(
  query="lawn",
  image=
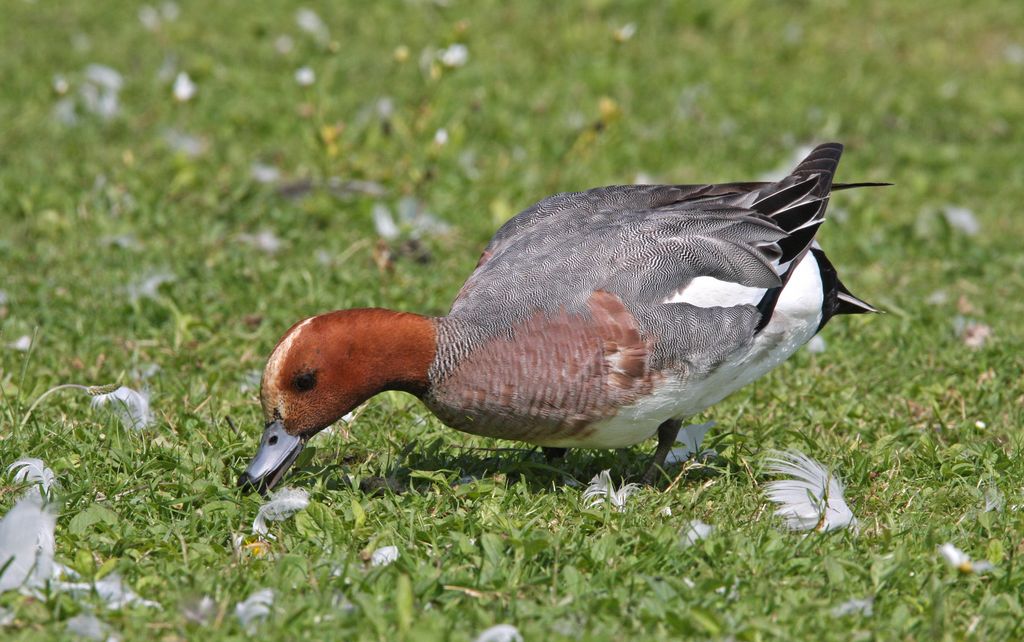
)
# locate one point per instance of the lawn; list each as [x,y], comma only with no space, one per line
[161,226]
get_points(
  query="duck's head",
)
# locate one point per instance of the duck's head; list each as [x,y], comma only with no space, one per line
[325,366]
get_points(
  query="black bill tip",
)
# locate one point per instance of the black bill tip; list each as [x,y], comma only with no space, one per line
[276,453]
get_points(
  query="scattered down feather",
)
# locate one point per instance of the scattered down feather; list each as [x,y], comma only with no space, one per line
[812,499]
[282,505]
[695,531]
[131,406]
[111,590]
[500,633]
[27,544]
[254,608]
[384,555]
[691,437]
[30,470]
[601,489]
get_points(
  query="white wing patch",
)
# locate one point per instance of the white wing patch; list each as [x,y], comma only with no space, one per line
[709,292]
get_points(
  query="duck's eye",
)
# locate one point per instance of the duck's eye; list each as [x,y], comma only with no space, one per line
[305,381]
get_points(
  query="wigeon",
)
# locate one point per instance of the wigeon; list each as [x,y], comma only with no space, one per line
[594,319]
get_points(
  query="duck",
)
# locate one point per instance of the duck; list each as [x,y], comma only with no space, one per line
[594,319]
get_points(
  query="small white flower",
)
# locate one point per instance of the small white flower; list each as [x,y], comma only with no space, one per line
[625,32]
[816,345]
[961,561]
[691,438]
[21,344]
[456,55]
[384,555]
[30,470]
[254,608]
[131,405]
[282,504]
[601,489]
[310,22]
[305,76]
[863,607]
[813,499]
[500,633]
[980,425]
[184,89]
[695,531]
[666,511]
[961,219]
[441,137]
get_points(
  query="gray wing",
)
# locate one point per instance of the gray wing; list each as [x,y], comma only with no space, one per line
[646,243]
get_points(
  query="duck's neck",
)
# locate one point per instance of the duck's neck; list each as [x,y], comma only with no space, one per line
[383,349]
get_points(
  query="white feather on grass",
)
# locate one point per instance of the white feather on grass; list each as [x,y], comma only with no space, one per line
[281,505]
[254,608]
[961,561]
[27,544]
[500,633]
[812,499]
[132,406]
[384,555]
[30,470]
[601,489]
[691,437]
[110,589]
[865,607]
[695,531]
[89,627]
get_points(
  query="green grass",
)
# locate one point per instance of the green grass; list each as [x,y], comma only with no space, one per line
[924,93]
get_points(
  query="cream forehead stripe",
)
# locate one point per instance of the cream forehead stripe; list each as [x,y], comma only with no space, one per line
[275,362]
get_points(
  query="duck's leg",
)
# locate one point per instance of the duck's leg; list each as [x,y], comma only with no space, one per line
[667,433]
[554,454]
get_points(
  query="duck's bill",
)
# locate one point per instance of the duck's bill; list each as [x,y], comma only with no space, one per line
[276,453]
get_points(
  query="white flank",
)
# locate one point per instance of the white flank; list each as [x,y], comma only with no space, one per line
[812,499]
[254,608]
[601,490]
[500,633]
[384,555]
[26,544]
[793,323]
[131,405]
[282,505]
